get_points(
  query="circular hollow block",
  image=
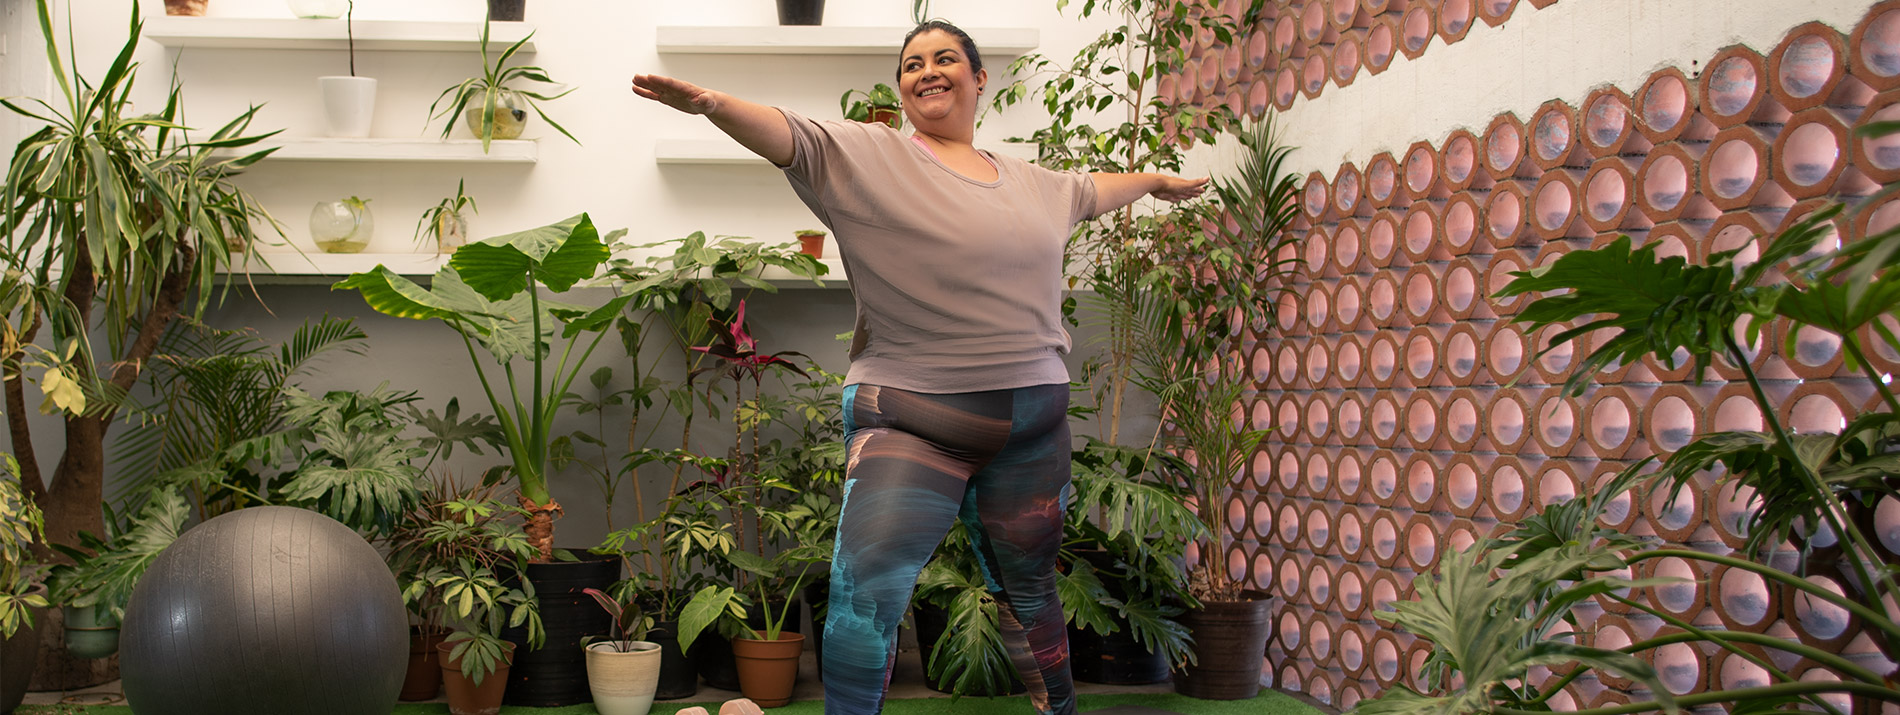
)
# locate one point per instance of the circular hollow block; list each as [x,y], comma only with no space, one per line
[1808,66]
[1665,106]
[1874,48]
[1504,147]
[1734,88]
[271,609]
[1382,180]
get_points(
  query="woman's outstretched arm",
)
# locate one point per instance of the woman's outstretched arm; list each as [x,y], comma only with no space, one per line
[757,127]
[1113,191]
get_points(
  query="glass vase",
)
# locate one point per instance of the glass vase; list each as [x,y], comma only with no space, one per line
[511,116]
[342,226]
[451,231]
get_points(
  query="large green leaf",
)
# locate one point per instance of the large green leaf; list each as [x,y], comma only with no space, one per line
[558,256]
[391,294]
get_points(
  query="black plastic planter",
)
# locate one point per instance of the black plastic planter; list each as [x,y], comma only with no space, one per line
[556,674]
[678,677]
[507,10]
[801,12]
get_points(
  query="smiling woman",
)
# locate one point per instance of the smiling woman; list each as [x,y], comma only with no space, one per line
[955,403]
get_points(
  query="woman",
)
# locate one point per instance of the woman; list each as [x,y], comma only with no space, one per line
[955,405]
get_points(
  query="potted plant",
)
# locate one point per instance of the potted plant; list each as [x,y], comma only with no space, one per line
[491,109]
[342,226]
[450,525]
[490,294]
[801,12]
[349,102]
[959,634]
[162,210]
[507,10]
[623,672]
[811,242]
[444,221]
[21,592]
[768,657]
[188,8]
[1123,553]
[477,604]
[95,587]
[879,106]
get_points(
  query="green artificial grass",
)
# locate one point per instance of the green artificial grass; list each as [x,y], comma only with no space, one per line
[1268,703]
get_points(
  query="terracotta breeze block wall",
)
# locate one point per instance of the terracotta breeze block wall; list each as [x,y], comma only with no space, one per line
[1411,416]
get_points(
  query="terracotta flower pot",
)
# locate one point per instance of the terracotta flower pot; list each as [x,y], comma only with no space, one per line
[887,115]
[623,682]
[423,680]
[812,244]
[768,670]
[466,697]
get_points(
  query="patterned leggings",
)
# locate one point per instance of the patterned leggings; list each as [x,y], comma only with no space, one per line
[997,460]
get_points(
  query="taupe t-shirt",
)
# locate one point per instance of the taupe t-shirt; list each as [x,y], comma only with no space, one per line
[958,282]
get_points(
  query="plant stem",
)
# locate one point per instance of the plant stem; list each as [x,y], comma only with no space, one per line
[1852,344]
[1835,511]
[1724,638]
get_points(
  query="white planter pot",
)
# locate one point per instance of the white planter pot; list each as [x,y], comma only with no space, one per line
[623,683]
[349,103]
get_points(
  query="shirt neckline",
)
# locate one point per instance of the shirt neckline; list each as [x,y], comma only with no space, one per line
[932,155]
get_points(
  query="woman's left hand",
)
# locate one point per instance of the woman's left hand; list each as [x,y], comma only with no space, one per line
[1176,189]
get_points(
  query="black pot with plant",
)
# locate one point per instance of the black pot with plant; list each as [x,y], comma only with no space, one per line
[507,10]
[555,675]
[801,12]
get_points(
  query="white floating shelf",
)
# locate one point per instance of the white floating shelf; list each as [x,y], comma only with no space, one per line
[237,33]
[325,267]
[726,152]
[785,280]
[514,151]
[825,40]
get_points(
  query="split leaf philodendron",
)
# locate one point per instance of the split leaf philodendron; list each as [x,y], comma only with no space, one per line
[490,293]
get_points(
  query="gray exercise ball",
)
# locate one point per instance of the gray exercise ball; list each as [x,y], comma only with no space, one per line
[265,610]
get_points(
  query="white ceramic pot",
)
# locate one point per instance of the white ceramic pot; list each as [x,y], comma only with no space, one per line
[349,103]
[623,683]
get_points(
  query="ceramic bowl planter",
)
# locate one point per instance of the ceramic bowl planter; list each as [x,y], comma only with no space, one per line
[623,676]
[811,243]
[801,12]
[768,670]
[423,681]
[511,116]
[349,105]
[466,697]
[342,226]
[89,634]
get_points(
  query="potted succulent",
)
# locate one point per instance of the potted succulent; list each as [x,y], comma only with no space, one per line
[491,109]
[880,105]
[623,672]
[21,593]
[349,102]
[444,221]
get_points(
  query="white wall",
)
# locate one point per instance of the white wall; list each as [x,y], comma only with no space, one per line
[1560,52]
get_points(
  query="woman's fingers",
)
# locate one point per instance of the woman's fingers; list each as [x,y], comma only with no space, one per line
[1178,189]
[678,94]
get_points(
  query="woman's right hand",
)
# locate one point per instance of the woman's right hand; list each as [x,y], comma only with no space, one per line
[678,94]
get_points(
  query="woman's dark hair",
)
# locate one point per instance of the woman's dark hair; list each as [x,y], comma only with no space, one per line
[963,38]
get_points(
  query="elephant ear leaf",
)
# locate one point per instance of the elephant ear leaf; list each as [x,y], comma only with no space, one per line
[559,255]
[391,294]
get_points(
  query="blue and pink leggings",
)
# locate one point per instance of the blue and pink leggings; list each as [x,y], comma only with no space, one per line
[997,460]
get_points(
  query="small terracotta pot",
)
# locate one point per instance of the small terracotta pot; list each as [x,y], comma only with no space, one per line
[886,115]
[194,8]
[812,244]
[768,670]
[423,680]
[623,682]
[465,696]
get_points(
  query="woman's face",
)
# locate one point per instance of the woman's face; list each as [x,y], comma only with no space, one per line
[935,81]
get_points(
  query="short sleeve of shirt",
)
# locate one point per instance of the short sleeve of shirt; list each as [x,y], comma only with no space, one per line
[1081,196]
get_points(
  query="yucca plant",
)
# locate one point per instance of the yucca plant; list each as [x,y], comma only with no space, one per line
[116,225]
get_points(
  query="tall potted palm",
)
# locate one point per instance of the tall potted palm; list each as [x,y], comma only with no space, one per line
[99,206]
[1196,295]
[490,294]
